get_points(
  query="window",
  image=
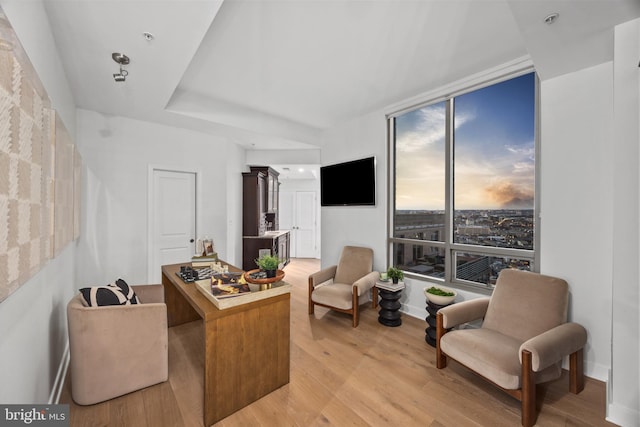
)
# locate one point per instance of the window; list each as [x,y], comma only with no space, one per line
[464,184]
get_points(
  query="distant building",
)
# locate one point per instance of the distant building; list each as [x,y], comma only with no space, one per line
[505,228]
[473,230]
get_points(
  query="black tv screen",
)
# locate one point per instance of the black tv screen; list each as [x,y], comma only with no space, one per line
[349,184]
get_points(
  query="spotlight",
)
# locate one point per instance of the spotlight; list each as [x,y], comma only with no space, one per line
[550,19]
[121,59]
[121,76]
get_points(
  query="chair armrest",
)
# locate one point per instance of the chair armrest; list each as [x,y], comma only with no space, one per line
[149,293]
[322,276]
[138,319]
[364,284]
[551,346]
[463,312]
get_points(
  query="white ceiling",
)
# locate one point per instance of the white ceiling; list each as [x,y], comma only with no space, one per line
[273,74]
[297,172]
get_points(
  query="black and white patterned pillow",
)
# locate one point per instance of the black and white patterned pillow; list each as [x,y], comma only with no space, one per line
[126,290]
[116,293]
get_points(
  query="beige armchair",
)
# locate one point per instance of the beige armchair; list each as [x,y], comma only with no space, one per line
[117,349]
[339,287]
[523,338]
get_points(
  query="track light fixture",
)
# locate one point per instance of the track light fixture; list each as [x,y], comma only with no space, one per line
[552,18]
[121,59]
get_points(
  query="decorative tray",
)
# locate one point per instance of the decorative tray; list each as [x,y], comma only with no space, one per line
[255,294]
[227,285]
[254,276]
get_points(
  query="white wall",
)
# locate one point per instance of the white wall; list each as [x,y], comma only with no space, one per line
[282,157]
[117,153]
[577,200]
[624,400]
[356,225]
[33,326]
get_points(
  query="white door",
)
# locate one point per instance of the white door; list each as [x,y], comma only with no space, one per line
[305,224]
[297,213]
[286,219]
[173,220]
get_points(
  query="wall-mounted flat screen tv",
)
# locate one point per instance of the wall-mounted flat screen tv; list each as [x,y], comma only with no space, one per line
[349,184]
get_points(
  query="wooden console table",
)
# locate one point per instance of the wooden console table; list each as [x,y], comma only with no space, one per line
[246,348]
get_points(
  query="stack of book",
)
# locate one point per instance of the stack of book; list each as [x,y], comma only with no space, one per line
[388,285]
[204,261]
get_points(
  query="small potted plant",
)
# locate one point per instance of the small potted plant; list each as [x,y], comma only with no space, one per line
[269,264]
[395,274]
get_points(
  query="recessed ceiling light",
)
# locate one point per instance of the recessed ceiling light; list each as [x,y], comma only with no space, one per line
[550,19]
[148,36]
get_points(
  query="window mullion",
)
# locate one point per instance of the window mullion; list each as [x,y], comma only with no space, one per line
[537,185]
[391,186]
[448,228]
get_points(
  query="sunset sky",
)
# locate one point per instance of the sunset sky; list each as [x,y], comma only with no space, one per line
[493,150]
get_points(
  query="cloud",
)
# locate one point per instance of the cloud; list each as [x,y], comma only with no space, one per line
[507,195]
[493,170]
[523,168]
[429,128]
[525,151]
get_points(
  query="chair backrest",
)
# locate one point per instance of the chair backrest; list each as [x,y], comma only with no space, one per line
[355,262]
[526,304]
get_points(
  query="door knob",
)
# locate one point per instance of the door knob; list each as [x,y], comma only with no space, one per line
[191,241]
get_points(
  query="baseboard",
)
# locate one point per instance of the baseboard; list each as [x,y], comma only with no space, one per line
[622,416]
[58,384]
[417,312]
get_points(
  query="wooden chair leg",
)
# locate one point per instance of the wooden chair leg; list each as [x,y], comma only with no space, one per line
[311,304]
[576,372]
[374,297]
[354,307]
[528,391]
[441,359]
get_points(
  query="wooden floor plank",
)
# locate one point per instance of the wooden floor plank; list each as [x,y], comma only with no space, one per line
[161,406]
[371,375]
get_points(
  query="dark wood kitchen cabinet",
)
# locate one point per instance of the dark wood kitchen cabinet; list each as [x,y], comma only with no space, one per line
[275,243]
[260,200]
[254,209]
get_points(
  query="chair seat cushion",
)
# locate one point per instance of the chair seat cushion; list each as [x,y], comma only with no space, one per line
[493,355]
[337,295]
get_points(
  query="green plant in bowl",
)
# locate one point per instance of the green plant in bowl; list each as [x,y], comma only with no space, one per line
[440,295]
[268,263]
[437,291]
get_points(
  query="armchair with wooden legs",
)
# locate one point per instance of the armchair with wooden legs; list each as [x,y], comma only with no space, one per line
[339,287]
[523,338]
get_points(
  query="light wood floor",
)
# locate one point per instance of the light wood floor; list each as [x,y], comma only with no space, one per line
[368,376]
